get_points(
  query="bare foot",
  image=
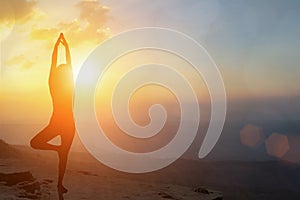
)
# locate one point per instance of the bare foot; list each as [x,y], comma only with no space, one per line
[62,189]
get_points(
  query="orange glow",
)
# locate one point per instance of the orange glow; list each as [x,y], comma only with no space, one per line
[28,33]
[251,135]
[277,145]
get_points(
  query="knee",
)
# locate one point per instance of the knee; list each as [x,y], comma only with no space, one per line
[33,143]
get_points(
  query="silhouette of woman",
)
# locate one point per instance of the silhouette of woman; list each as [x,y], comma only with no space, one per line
[61,86]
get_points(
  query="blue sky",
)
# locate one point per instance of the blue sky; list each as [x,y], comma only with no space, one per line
[255,43]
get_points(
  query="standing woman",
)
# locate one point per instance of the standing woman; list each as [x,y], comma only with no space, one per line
[61,84]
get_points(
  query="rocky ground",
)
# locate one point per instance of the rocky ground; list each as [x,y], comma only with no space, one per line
[28,174]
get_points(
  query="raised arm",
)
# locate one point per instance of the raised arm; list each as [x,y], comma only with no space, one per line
[54,54]
[68,56]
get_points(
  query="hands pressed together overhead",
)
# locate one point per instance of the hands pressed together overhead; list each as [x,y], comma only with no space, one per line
[61,39]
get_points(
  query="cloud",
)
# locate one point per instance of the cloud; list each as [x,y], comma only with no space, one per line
[18,11]
[87,28]
[44,34]
[20,61]
[94,13]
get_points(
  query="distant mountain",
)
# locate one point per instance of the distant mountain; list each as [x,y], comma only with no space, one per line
[8,151]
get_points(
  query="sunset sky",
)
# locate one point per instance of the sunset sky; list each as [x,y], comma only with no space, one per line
[255,44]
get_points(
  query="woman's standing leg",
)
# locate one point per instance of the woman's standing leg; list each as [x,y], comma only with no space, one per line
[66,140]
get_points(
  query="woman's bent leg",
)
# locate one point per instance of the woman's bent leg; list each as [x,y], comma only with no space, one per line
[40,141]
